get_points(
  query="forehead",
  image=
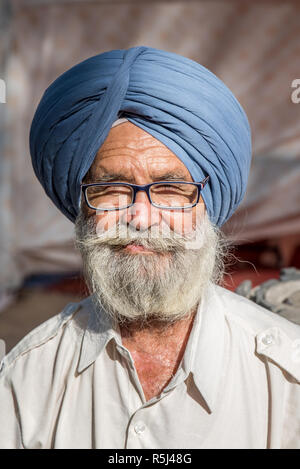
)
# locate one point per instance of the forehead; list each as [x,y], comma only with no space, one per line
[130,149]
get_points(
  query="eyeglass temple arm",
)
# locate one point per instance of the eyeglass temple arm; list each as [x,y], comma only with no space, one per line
[205,181]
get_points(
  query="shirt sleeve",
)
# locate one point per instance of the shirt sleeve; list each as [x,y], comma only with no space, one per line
[10,433]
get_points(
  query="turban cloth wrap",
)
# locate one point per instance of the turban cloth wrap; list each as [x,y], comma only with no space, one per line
[173,98]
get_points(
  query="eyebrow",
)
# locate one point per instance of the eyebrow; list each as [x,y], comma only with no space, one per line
[118,176]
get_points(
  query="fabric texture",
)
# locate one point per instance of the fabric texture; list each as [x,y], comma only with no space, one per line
[282,296]
[176,100]
[72,384]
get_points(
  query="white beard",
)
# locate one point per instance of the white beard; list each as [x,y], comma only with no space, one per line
[166,285]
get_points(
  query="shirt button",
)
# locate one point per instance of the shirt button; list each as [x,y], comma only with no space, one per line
[268,339]
[139,428]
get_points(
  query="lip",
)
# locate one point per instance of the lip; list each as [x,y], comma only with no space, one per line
[132,247]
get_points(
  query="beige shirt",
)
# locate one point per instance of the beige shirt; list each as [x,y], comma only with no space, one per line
[71,384]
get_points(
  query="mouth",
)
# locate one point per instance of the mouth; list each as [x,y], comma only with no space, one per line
[135,248]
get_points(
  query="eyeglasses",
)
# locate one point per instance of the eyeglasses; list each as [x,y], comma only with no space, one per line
[163,194]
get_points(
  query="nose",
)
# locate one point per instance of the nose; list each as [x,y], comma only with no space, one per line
[142,214]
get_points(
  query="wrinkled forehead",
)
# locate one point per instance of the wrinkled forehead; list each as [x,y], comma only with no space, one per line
[132,151]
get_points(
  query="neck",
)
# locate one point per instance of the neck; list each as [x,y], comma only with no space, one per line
[158,331]
[157,350]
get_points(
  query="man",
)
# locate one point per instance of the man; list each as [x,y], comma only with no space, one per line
[148,153]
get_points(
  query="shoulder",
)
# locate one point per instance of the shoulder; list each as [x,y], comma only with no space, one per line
[251,316]
[49,336]
[276,338]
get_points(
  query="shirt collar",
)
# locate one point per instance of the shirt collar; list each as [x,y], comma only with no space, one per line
[203,356]
[98,332]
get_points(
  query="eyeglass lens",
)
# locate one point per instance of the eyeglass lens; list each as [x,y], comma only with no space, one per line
[166,195]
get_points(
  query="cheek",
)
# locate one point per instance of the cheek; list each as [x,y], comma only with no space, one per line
[184,222]
[178,221]
[107,220]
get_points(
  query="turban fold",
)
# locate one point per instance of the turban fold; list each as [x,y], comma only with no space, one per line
[173,98]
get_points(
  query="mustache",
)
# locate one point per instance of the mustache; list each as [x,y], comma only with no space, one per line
[159,239]
[164,286]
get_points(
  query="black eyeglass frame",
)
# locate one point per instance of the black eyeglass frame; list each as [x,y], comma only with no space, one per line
[146,188]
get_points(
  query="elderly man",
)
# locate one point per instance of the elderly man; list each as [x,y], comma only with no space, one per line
[148,153]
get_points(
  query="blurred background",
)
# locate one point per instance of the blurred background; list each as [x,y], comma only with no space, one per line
[253,46]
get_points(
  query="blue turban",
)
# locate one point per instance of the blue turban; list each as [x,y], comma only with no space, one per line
[175,99]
